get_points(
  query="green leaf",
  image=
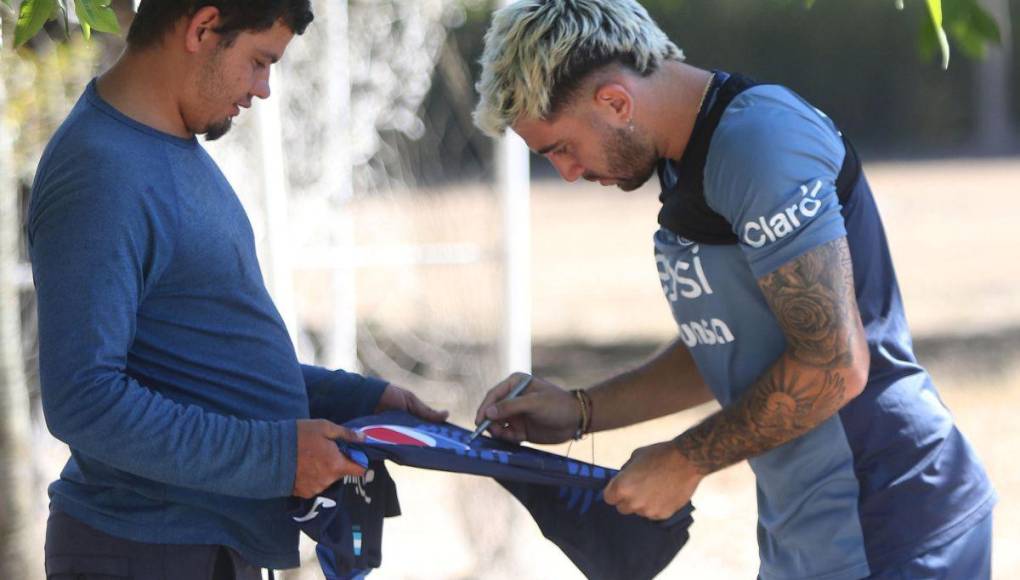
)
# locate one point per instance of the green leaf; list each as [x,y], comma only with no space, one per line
[985,25]
[67,19]
[943,47]
[935,11]
[86,31]
[98,15]
[31,18]
[971,27]
[927,40]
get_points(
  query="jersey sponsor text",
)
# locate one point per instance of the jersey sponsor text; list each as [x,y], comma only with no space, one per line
[676,284]
[763,231]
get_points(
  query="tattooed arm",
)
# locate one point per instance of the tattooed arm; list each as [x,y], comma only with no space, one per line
[825,364]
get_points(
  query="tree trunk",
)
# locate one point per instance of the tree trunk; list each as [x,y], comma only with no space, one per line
[18,554]
[994,131]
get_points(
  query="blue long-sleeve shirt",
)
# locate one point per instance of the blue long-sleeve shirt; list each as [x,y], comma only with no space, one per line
[164,364]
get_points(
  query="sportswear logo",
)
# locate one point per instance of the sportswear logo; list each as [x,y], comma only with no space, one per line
[707,332]
[762,231]
[323,502]
[359,483]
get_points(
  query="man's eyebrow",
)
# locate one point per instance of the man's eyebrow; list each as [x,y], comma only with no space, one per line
[273,57]
[548,148]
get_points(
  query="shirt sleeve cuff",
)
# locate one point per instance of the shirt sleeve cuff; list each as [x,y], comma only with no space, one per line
[288,458]
[340,396]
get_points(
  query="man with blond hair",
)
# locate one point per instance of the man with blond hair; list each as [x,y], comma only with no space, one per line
[774,261]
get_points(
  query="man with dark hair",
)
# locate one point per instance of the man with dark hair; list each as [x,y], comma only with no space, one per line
[773,259]
[164,364]
[155,18]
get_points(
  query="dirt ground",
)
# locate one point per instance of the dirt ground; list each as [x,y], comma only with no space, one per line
[598,308]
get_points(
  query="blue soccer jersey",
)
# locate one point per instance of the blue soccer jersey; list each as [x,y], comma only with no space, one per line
[889,476]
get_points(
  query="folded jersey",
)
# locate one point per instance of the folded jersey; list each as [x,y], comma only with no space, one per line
[564,497]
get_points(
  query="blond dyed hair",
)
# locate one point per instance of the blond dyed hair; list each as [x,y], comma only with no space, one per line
[537,53]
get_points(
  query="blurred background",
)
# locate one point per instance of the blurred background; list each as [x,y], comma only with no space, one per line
[399,241]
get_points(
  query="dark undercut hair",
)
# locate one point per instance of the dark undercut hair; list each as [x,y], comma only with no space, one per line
[155,18]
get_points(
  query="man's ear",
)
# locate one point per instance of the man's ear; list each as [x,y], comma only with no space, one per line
[201,28]
[615,102]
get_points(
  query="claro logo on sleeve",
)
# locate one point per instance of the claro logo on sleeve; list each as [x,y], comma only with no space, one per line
[765,230]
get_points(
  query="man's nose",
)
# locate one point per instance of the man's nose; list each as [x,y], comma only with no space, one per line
[261,88]
[569,169]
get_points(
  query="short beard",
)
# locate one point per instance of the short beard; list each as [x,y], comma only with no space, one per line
[212,90]
[217,130]
[629,155]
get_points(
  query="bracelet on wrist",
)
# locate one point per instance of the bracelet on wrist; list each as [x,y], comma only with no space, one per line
[585,420]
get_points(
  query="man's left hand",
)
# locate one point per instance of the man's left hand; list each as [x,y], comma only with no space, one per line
[657,481]
[396,398]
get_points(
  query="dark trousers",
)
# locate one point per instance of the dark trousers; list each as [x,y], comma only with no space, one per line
[75,551]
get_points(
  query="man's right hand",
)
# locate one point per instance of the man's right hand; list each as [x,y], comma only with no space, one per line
[319,461]
[543,413]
